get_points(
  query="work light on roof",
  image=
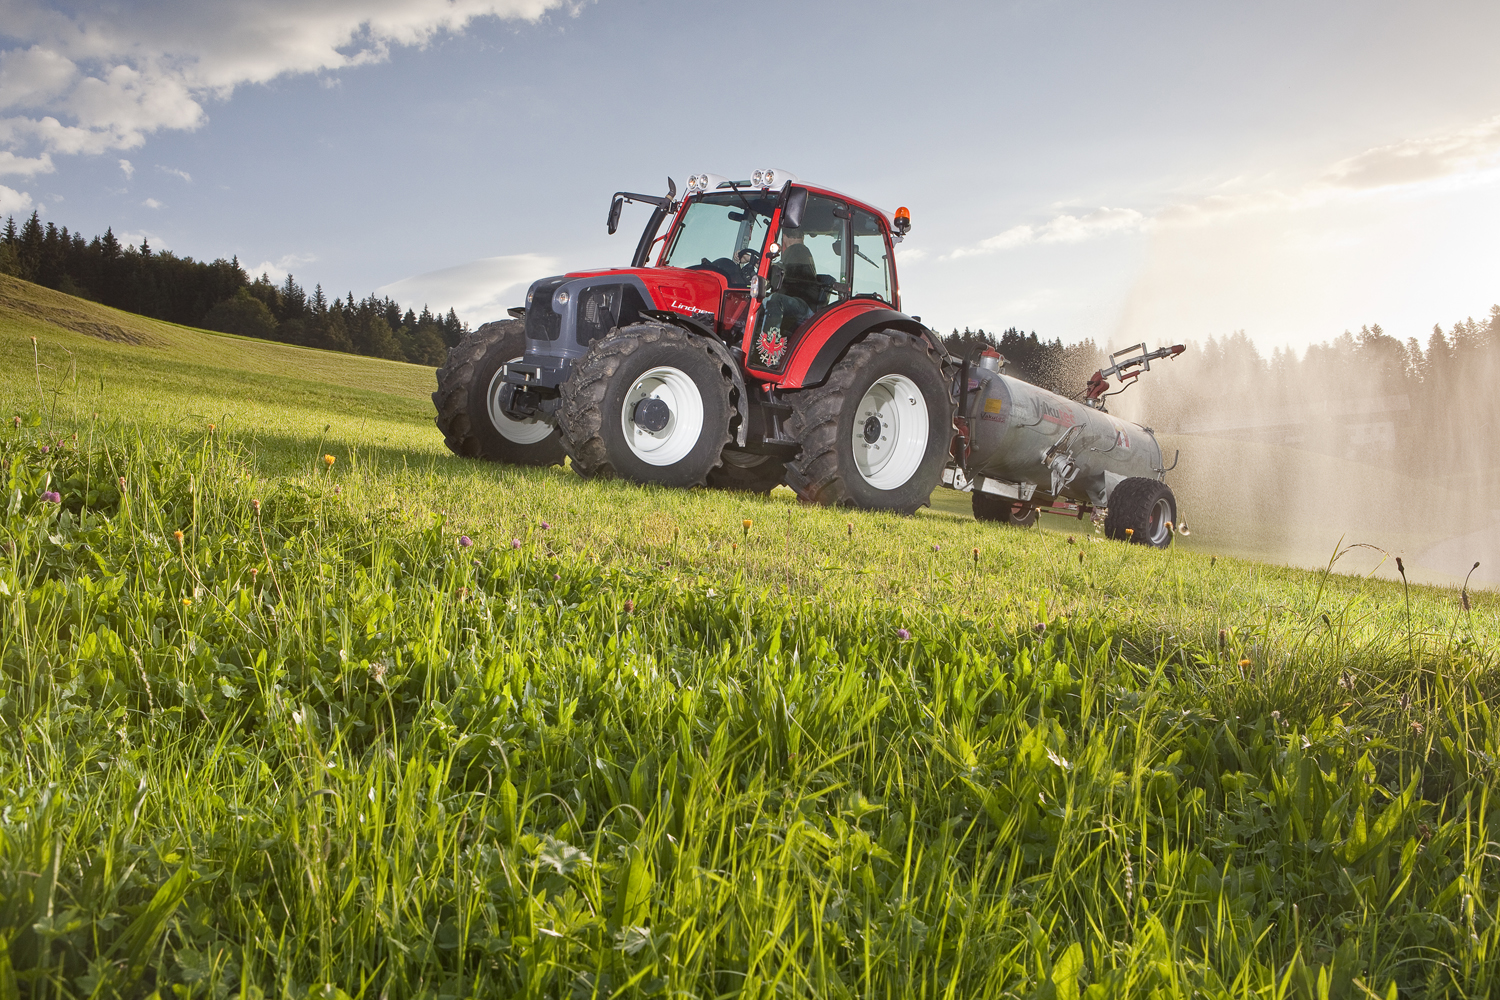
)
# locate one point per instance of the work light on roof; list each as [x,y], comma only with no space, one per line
[698,182]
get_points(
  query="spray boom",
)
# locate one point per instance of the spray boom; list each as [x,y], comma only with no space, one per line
[1127,370]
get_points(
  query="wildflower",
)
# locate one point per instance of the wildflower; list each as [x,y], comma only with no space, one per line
[51,497]
[186,601]
[902,634]
[177,535]
[746,525]
[1070,539]
[1182,528]
[45,449]
[976,555]
[1129,532]
[253,574]
[555,578]
[256,505]
[1080,558]
[17,421]
[544,526]
[1223,638]
[937,547]
[629,607]
[1169,525]
[122,484]
[734,547]
[850,525]
[1416,727]
[515,543]
[328,461]
[1244,663]
[212,428]
[464,541]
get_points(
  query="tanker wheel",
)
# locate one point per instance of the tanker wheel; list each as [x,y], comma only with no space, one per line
[467,414]
[875,434]
[748,473]
[649,403]
[1141,511]
[989,507]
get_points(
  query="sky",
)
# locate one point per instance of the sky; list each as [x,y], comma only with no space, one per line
[1157,171]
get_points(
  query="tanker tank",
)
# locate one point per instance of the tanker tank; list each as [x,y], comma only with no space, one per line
[1036,446]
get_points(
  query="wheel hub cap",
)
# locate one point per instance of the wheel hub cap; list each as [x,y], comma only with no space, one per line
[652,414]
[872,429]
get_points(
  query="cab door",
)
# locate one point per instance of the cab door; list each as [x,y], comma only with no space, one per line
[808,274]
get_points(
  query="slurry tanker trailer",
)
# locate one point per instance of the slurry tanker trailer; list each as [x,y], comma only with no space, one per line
[761,341]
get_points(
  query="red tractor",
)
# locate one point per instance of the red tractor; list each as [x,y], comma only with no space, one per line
[765,345]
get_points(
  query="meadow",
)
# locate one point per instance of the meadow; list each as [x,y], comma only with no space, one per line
[388,723]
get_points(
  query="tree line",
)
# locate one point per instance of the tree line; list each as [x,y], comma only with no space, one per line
[220,295]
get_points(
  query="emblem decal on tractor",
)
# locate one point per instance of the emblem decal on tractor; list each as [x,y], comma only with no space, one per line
[772,347]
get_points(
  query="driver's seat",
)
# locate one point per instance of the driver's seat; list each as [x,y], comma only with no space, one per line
[800,275]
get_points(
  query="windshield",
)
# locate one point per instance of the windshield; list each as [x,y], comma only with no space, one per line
[723,232]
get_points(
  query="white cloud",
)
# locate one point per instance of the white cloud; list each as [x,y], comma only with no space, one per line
[109,78]
[151,203]
[24,166]
[176,173]
[14,202]
[478,291]
[1061,229]
[278,269]
[129,169]
[1468,155]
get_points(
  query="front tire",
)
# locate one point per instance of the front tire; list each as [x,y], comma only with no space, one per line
[650,403]
[989,507]
[472,424]
[1141,511]
[876,433]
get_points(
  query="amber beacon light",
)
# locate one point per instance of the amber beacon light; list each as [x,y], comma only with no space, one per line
[903,221]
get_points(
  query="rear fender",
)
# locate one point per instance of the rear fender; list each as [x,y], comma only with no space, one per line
[820,347]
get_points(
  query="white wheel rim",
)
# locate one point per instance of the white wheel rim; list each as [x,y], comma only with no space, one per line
[890,432]
[1156,524]
[516,431]
[673,442]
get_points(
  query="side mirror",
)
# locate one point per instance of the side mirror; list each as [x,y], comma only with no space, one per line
[614,214]
[671,189]
[796,206]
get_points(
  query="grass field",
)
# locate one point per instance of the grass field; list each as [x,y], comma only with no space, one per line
[268,728]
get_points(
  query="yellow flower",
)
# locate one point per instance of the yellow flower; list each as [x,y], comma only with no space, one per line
[328,460]
[1244,663]
[177,535]
[747,522]
[1130,532]
[186,601]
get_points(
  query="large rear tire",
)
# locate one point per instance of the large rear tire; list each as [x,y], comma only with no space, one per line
[876,433]
[1141,511]
[748,473]
[989,507]
[649,403]
[472,424]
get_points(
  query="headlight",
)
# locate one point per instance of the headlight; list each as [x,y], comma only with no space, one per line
[757,179]
[767,178]
[562,297]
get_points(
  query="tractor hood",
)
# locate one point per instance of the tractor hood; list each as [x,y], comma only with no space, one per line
[688,292]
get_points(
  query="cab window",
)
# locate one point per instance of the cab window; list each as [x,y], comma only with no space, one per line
[872,262]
